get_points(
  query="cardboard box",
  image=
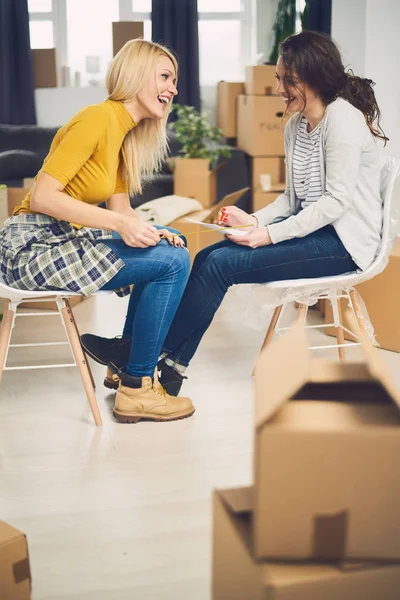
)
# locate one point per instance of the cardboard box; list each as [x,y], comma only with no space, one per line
[15,575]
[262,199]
[123,31]
[193,178]
[382,297]
[199,237]
[227,94]
[262,165]
[260,125]
[327,455]
[44,68]
[260,80]
[15,197]
[28,182]
[238,575]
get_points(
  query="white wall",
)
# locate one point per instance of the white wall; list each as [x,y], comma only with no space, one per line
[55,106]
[382,64]
[349,30]
[367,32]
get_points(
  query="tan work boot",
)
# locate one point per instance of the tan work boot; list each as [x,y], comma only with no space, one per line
[139,398]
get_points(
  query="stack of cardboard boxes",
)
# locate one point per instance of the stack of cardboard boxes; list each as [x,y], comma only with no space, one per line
[322,518]
[260,133]
[250,115]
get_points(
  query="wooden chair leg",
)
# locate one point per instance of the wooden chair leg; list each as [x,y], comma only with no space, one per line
[81,362]
[5,334]
[271,329]
[302,313]
[340,331]
[355,300]
[67,302]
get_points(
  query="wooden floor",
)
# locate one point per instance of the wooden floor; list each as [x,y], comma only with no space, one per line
[124,512]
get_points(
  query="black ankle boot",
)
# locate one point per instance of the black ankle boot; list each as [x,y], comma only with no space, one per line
[104,350]
[170,378]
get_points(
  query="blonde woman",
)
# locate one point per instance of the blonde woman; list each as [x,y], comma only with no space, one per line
[59,238]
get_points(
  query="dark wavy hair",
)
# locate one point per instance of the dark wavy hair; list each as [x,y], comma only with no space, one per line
[314,59]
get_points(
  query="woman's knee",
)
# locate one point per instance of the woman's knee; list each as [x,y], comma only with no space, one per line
[214,264]
[202,256]
[177,261]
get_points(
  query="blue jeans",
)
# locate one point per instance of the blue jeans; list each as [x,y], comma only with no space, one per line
[221,265]
[159,274]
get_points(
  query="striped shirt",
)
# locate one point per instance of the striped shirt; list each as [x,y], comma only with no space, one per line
[306,165]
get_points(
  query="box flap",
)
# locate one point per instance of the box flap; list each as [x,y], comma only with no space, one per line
[8,533]
[275,383]
[378,368]
[238,500]
[227,200]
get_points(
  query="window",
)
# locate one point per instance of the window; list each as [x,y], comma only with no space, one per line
[211,6]
[143,6]
[41,23]
[226,31]
[41,34]
[221,38]
[37,6]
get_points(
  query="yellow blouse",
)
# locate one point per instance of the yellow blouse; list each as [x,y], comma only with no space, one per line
[85,154]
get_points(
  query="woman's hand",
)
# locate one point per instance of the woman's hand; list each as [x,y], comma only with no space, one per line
[255,238]
[138,233]
[173,239]
[233,216]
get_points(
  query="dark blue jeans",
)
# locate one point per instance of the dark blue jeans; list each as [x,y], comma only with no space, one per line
[221,265]
[159,275]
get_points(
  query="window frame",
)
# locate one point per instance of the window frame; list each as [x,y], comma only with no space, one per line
[127,14]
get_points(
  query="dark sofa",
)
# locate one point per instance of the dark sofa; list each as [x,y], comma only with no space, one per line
[24,147]
[22,150]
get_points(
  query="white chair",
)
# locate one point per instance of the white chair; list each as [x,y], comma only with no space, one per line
[14,299]
[340,286]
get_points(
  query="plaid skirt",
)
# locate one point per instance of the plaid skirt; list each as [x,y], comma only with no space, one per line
[39,253]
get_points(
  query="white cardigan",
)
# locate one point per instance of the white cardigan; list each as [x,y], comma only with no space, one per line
[350,175]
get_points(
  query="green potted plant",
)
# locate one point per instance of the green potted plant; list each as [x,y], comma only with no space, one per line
[284,25]
[196,166]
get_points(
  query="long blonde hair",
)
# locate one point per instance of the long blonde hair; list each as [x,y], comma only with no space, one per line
[145,147]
